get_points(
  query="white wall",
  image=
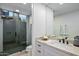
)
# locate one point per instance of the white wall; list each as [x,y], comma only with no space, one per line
[71,20]
[1,35]
[49,21]
[42,22]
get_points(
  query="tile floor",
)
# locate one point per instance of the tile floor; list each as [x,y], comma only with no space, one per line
[22,53]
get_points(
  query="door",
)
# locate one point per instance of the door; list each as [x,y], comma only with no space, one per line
[9,29]
[23,33]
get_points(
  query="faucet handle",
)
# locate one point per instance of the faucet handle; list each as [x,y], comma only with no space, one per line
[66,37]
[59,40]
[63,40]
[67,42]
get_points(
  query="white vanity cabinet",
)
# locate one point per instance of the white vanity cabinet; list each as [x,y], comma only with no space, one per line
[39,50]
[47,50]
[52,51]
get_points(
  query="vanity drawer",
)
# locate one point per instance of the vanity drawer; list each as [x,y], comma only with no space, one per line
[39,45]
[39,52]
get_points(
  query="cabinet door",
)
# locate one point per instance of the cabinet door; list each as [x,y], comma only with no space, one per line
[51,51]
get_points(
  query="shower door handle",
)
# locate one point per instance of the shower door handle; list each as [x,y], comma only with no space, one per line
[15,34]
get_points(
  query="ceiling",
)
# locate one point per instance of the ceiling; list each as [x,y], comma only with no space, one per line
[23,8]
[56,7]
[64,8]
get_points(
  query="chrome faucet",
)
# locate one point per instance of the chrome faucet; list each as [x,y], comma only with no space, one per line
[64,40]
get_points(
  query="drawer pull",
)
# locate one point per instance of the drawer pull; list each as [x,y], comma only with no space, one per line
[39,51]
[39,45]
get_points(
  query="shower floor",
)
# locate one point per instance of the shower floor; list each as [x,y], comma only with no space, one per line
[10,49]
[22,53]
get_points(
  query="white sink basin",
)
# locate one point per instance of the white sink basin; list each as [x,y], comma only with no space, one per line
[59,44]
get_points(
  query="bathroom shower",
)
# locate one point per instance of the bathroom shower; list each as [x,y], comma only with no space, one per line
[14,32]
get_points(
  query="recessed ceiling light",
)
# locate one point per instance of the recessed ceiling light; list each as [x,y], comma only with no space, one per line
[24,3]
[17,11]
[61,3]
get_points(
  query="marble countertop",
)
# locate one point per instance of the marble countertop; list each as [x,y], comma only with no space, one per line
[69,48]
